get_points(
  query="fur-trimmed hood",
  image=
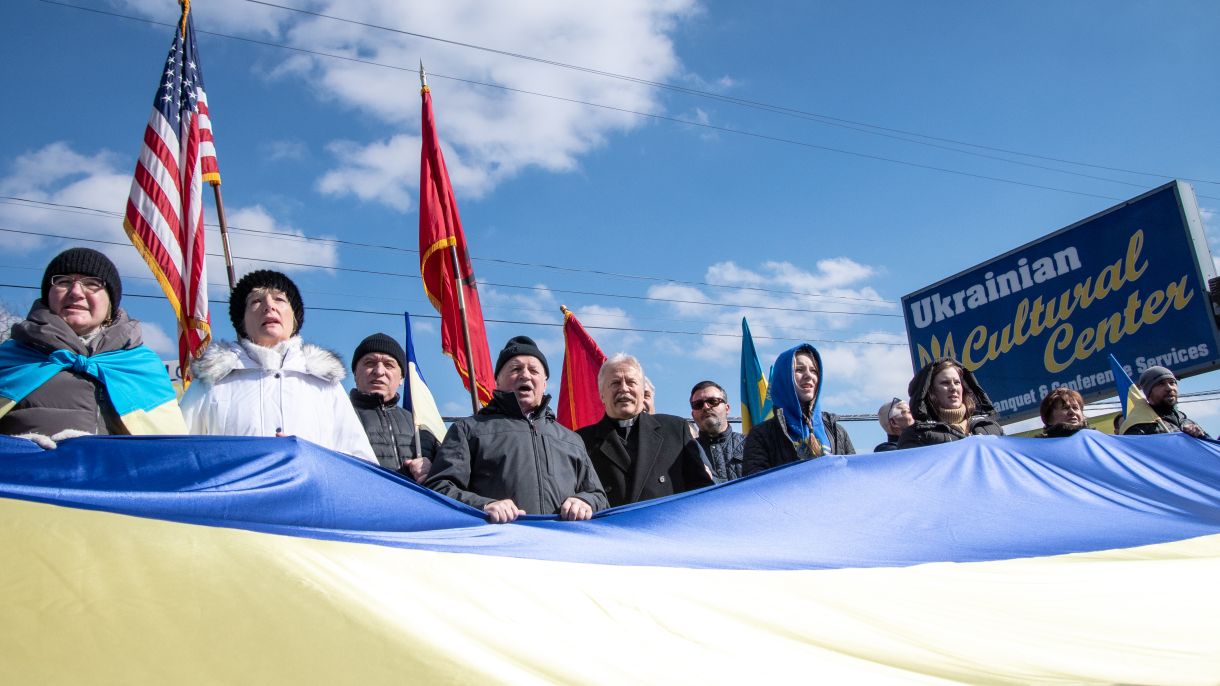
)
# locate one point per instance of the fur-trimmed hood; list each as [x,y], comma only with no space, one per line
[223,357]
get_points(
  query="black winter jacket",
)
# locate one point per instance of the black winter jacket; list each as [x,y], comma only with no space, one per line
[725,452]
[498,454]
[1175,419]
[391,431]
[768,444]
[928,429]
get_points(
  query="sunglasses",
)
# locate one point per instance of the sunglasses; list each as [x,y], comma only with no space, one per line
[708,403]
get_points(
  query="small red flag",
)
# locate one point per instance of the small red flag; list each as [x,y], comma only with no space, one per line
[580,404]
[439,228]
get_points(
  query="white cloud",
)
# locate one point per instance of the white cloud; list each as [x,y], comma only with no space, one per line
[488,134]
[100,182]
[159,341]
[289,150]
[859,374]
[268,251]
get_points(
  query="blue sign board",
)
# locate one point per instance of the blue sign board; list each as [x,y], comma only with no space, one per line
[1132,281]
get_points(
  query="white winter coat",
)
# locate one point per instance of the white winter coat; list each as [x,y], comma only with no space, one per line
[243,389]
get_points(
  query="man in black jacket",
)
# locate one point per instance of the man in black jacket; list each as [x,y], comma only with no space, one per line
[513,457]
[637,455]
[379,365]
[1160,387]
[709,407]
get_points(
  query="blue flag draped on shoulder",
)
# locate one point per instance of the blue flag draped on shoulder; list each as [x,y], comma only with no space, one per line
[755,401]
[134,381]
[1089,559]
[1136,409]
[416,396]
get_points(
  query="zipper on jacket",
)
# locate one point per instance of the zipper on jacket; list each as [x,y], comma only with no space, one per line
[388,427]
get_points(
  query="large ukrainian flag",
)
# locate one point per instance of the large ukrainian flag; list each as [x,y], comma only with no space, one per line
[239,560]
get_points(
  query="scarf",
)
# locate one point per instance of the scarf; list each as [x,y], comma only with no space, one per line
[802,429]
[134,380]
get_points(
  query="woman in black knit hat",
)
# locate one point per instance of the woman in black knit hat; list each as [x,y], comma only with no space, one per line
[76,335]
[270,382]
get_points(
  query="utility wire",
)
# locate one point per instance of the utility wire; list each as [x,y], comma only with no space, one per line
[376,272]
[752,104]
[93,211]
[659,117]
[398,314]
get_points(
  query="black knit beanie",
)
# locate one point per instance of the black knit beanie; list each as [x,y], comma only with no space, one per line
[264,278]
[521,345]
[90,263]
[380,343]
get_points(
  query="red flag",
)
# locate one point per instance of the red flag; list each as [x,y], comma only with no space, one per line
[579,402]
[439,228]
[164,217]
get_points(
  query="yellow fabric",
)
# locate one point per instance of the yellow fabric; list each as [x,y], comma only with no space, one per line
[91,597]
[162,420]
[6,404]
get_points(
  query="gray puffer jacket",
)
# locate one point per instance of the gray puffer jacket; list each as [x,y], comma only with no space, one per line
[69,400]
[499,453]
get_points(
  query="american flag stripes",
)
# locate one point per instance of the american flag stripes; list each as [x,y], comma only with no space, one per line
[164,217]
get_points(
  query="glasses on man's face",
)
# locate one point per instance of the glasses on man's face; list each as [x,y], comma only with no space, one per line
[707,403]
[90,284]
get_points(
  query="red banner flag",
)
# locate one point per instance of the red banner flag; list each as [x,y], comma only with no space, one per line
[580,404]
[164,217]
[440,229]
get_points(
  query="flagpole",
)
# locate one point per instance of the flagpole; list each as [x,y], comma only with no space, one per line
[224,235]
[459,281]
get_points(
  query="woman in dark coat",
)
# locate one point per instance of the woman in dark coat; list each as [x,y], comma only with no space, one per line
[77,364]
[948,405]
[800,430]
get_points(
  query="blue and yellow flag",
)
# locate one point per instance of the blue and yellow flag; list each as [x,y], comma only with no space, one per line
[1090,559]
[1136,409]
[755,402]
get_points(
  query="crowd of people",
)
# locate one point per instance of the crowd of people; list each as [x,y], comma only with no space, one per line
[77,366]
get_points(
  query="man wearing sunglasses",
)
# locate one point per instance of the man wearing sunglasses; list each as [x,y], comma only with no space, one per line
[709,407]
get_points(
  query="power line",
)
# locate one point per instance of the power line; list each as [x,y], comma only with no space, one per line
[667,332]
[659,117]
[93,211]
[376,272]
[752,104]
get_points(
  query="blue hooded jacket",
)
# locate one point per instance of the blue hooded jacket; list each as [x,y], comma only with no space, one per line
[801,428]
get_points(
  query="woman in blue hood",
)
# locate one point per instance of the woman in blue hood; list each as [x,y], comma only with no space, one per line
[799,430]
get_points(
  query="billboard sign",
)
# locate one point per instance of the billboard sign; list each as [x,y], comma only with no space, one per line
[1132,281]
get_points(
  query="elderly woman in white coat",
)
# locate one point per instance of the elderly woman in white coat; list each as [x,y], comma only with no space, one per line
[270,383]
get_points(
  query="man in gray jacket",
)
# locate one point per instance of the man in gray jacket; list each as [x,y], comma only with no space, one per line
[513,457]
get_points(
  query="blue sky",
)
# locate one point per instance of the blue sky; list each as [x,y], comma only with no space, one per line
[314,146]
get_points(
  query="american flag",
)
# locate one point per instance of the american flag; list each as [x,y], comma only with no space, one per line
[164,216]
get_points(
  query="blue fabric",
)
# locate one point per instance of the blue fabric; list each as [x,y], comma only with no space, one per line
[134,379]
[1122,382]
[408,401]
[787,405]
[971,500]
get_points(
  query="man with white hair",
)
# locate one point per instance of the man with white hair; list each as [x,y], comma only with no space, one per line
[637,455]
[893,416]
